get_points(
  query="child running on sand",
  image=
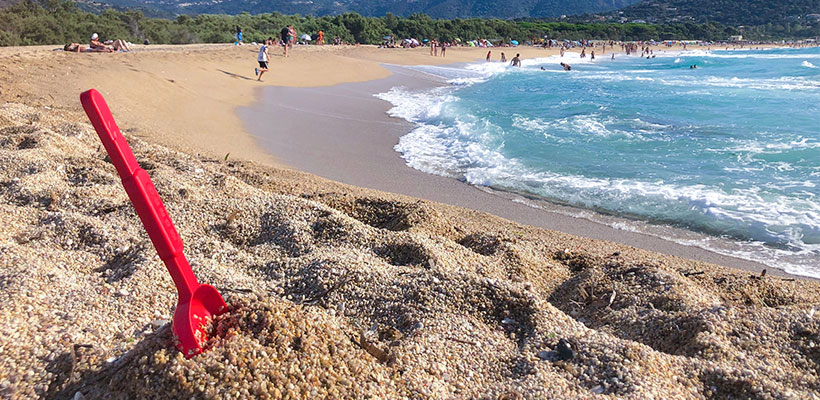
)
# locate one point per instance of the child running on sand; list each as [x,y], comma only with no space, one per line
[263,59]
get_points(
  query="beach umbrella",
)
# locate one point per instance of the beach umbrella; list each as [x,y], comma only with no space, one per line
[514,42]
[386,37]
[425,40]
[305,36]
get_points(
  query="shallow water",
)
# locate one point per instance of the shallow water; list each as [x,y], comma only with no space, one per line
[730,149]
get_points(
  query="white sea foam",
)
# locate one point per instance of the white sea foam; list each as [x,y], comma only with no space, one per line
[782,83]
[809,65]
[757,147]
[724,54]
[461,150]
[649,126]
[563,129]
[488,69]
[536,125]
[453,75]
[786,260]
[571,58]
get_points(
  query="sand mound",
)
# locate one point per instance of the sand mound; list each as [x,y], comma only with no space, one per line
[343,292]
[263,348]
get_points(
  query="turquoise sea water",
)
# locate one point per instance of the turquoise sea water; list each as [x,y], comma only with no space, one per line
[729,150]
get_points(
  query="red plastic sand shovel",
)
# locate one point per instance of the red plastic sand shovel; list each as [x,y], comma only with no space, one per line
[197,303]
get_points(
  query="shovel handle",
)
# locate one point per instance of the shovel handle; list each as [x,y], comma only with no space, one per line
[142,193]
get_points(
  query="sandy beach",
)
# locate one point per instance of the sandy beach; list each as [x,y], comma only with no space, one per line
[337,290]
[185,96]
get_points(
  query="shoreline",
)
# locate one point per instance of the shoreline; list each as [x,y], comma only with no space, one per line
[186,97]
[353,144]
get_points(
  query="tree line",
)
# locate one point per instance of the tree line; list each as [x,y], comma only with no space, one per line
[32,22]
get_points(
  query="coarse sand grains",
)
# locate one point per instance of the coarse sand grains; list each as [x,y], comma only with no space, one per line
[342,292]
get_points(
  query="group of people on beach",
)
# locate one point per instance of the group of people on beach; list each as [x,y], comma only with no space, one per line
[515,62]
[287,37]
[435,45]
[95,45]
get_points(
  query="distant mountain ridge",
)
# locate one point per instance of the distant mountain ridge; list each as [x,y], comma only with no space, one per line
[449,9]
[729,12]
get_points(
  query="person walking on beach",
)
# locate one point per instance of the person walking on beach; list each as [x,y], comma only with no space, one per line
[516,61]
[238,35]
[503,58]
[443,48]
[321,39]
[263,58]
[283,35]
[489,55]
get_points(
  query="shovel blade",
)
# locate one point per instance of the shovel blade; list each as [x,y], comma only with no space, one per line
[192,319]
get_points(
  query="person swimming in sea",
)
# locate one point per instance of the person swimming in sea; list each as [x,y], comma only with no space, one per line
[566,67]
[516,61]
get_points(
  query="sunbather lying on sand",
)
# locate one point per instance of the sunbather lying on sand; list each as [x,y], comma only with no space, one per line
[79,48]
[118,45]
